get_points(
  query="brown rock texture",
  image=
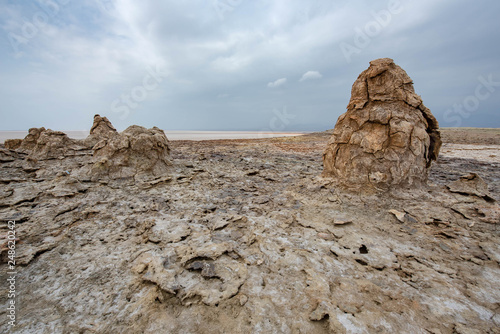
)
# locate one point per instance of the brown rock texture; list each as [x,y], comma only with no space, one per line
[136,152]
[101,128]
[29,142]
[387,137]
[471,184]
[13,144]
[41,143]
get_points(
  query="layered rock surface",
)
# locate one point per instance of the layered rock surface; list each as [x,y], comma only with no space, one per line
[41,143]
[136,152]
[235,240]
[387,137]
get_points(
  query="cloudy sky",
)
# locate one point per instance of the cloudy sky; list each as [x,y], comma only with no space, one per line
[275,65]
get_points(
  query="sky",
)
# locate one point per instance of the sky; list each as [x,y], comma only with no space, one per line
[256,65]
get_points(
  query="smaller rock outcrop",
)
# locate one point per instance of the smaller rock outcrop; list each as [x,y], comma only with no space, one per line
[137,153]
[387,137]
[101,129]
[41,143]
[13,144]
[29,142]
[53,144]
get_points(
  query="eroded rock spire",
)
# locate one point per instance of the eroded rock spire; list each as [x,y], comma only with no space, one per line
[387,137]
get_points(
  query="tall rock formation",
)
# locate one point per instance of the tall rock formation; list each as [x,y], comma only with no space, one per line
[387,138]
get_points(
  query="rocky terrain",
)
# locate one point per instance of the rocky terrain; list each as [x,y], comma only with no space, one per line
[243,236]
[131,233]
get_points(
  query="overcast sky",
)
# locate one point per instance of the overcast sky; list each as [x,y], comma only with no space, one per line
[282,65]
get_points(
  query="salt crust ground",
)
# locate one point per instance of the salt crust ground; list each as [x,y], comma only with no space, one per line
[244,237]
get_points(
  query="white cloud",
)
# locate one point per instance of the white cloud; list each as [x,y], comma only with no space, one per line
[277,83]
[78,64]
[310,75]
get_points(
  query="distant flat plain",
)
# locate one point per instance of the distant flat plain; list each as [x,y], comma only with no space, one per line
[486,136]
[174,135]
